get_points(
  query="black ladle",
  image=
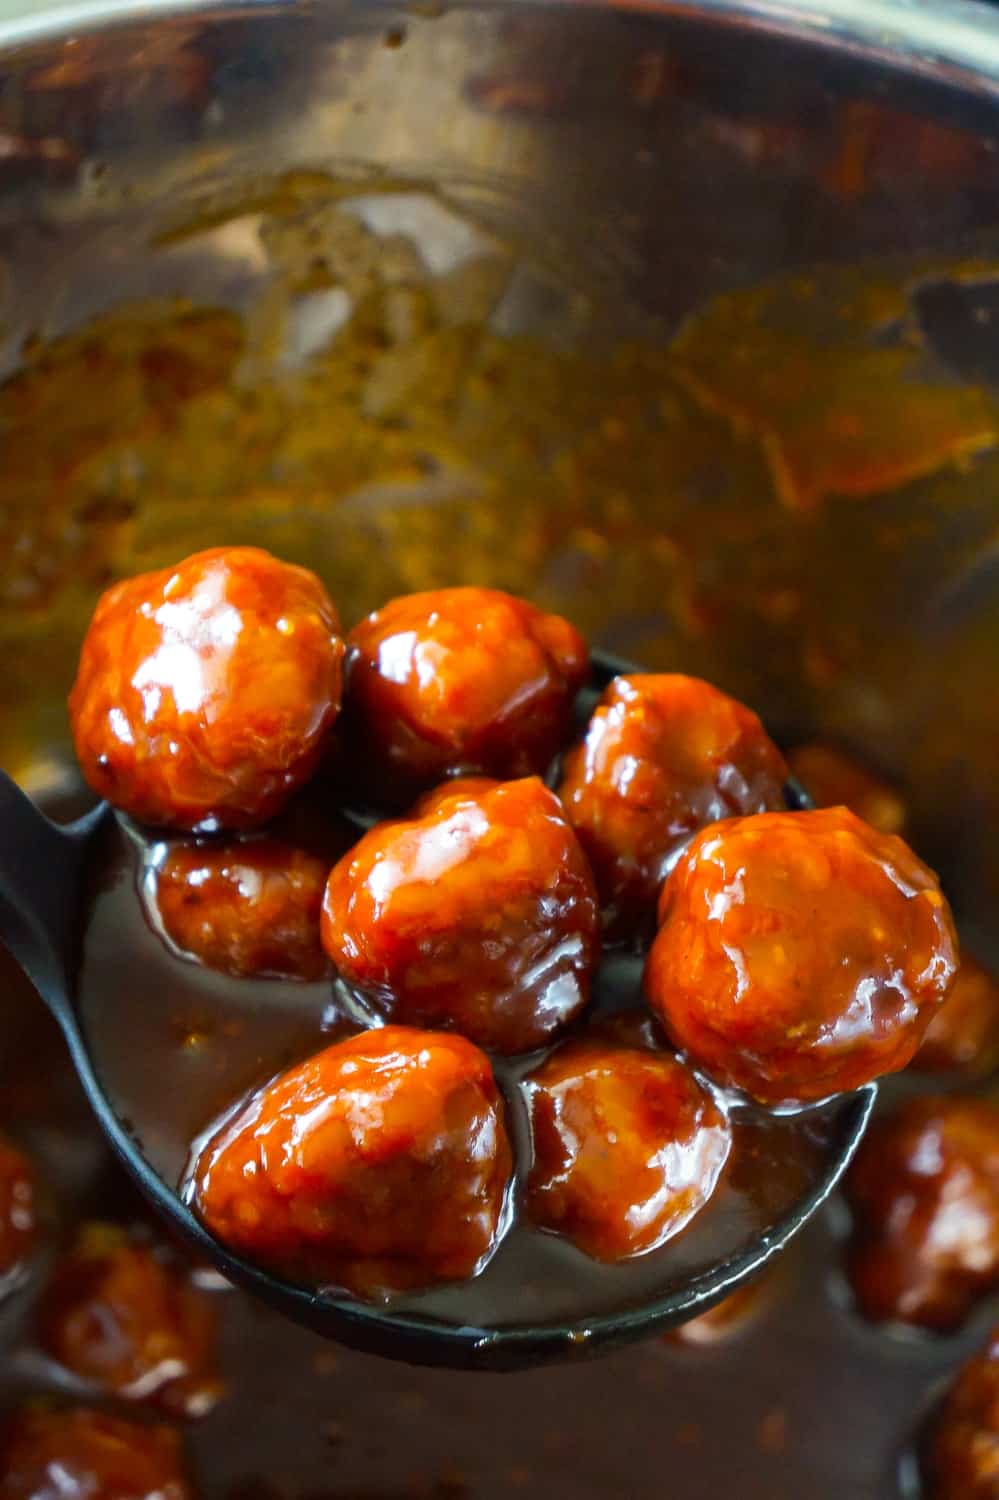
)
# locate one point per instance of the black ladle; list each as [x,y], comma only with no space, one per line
[41,872]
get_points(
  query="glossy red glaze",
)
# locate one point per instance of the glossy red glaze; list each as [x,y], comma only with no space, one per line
[119,1315]
[380,1164]
[477,914]
[18,1207]
[205,692]
[834,779]
[924,1190]
[961,1452]
[460,680]
[78,1453]
[963,1036]
[662,757]
[628,1147]
[800,954]
[244,907]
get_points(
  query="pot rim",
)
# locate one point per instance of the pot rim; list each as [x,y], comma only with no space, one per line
[953,41]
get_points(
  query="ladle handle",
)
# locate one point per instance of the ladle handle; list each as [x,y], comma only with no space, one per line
[39,870]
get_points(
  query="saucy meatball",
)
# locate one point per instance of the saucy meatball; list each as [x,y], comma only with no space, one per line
[800,954]
[18,1224]
[477,914]
[924,1190]
[465,680]
[116,1314]
[205,692]
[961,1451]
[628,1147]
[380,1164]
[729,1317]
[834,779]
[963,1036]
[662,757]
[78,1453]
[245,908]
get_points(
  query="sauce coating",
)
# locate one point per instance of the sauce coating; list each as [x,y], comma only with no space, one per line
[924,1190]
[628,1147]
[800,954]
[205,692]
[116,1314]
[459,680]
[79,1453]
[477,914]
[18,1213]
[380,1164]
[834,779]
[963,1036]
[961,1453]
[663,755]
[243,908]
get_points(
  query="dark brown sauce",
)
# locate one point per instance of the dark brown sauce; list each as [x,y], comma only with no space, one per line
[176,1045]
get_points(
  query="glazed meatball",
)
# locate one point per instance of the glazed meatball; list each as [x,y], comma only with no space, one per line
[118,1314]
[961,1451]
[247,907]
[662,757]
[205,692]
[18,1214]
[924,1190]
[834,779]
[462,680]
[963,1036]
[729,1317]
[477,914]
[800,954]
[628,1147]
[77,1453]
[378,1165]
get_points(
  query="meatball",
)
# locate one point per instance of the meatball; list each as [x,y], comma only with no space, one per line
[729,1317]
[477,914]
[243,907]
[834,779]
[78,1453]
[800,954]
[205,692]
[961,1451]
[628,1147]
[458,680]
[924,1190]
[963,1036]
[18,1213]
[378,1165]
[662,757]
[117,1314]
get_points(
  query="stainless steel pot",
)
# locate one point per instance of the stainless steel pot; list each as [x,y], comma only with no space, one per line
[677,317]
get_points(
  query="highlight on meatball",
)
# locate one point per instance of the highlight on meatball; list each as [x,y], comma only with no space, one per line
[120,1315]
[924,1192]
[800,954]
[628,1147]
[458,681]
[18,1210]
[381,1164]
[477,914]
[663,755]
[963,1036]
[960,1451]
[834,779]
[80,1453]
[245,907]
[206,692]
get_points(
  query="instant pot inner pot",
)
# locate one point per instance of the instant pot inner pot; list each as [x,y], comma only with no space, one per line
[685,330]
